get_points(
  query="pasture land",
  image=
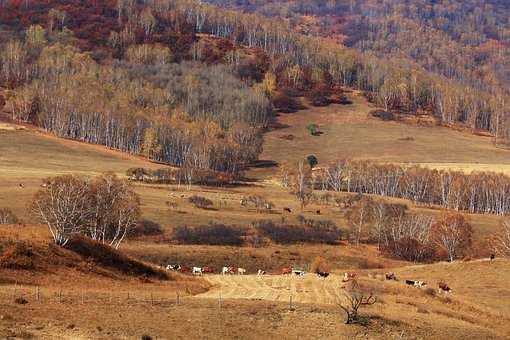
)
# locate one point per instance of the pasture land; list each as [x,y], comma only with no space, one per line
[251,307]
[27,157]
[349,132]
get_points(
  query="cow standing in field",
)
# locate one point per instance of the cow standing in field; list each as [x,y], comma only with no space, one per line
[322,275]
[286,271]
[241,271]
[391,277]
[444,288]
[416,283]
[261,272]
[207,270]
[173,267]
[197,271]
[298,272]
[349,276]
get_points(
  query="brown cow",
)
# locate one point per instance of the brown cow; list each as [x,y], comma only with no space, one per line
[286,271]
[443,287]
[391,276]
[207,270]
[348,276]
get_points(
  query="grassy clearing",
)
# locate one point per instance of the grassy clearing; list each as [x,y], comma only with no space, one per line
[348,132]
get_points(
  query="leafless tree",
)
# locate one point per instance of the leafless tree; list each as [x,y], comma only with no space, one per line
[359,217]
[302,184]
[356,297]
[104,208]
[453,234]
[116,209]
[64,206]
[500,242]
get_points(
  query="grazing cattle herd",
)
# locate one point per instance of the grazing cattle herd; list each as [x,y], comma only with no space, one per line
[346,277]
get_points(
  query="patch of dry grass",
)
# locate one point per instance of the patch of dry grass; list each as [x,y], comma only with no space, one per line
[349,133]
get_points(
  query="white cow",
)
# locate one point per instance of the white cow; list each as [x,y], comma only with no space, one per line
[197,271]
[298,272]
[225,270]
[173,267]
[261,272]
[241,271]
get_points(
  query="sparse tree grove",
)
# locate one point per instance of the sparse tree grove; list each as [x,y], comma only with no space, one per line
[103,208]
[478,192]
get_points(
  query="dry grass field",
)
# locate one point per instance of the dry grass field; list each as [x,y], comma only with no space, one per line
[348,132]
[101,303]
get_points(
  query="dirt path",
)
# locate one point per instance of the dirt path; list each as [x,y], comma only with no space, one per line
[307,289]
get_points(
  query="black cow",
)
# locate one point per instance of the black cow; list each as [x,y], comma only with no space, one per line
[287,210]
[415,283]
[323,275]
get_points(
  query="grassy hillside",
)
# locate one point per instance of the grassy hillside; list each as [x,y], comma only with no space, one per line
[349,132]
[28,156]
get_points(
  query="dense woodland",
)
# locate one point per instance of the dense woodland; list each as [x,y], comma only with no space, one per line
[192,84]
[454,55]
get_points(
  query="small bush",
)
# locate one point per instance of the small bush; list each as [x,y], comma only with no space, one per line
[430,292]
[288,234]
[20,301]
[312,161]
[210,234]
[284,102]
[319,96]
[146,228]
[137,173]
[344,100]
[383,115]
[7,216]
[17,256]
[313,129]
[200,202]
[259,202]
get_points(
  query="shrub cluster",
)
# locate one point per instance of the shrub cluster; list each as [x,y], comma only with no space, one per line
[316,232]
[210,234]
[18,255]
[146,227]
[200,202]
[181,176]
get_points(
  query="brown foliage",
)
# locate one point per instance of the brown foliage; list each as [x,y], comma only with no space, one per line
[210,234]
[109,257]
[452,235]
[17,255]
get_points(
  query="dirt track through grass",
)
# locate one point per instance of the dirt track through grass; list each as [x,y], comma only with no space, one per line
[308,289]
